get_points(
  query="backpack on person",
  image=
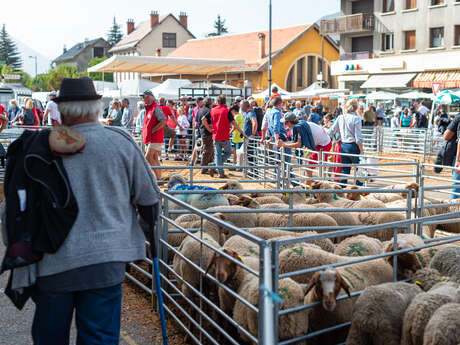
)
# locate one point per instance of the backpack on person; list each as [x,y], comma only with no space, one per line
[260,118]
[29,117]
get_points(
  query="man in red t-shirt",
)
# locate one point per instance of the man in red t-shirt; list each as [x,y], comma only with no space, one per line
[152,130]
[222,119]
[275,93]
[169,131]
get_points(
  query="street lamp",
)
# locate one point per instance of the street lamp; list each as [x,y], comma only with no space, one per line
[270,49]
[36,79]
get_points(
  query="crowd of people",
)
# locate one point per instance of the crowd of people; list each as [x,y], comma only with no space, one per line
[223,129]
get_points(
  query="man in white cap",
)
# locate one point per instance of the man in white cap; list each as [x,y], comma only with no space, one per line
[52,112]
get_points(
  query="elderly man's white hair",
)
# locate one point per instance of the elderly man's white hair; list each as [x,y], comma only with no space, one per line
[298,103]
[77,110]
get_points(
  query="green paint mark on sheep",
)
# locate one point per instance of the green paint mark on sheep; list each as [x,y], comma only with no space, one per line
[335,197]
[357,248]
[354,275]
[297,251]
[432,252]
[252,251]
[420,258]
[284,293]
[348,280]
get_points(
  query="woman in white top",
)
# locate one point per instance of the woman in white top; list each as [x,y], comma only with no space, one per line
[181,131]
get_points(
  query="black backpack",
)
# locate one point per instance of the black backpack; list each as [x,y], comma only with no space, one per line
[29,117]
[422,121]
[260,118]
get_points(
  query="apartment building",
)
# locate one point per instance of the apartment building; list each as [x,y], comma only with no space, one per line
[409,43]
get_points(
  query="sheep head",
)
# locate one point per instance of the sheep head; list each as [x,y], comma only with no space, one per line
[246,201]
[223,232]
[232,185]
[324,197]
[327,284]
[225,268]
[412,186]
[406,261]
[355,196]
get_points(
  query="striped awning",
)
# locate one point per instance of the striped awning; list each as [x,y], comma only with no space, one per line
[449,79]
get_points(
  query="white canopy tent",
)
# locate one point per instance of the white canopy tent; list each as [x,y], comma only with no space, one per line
[315,90]
[264,94]
[380,95]
[170,88]
[165,65]
[415,95]
[135,87]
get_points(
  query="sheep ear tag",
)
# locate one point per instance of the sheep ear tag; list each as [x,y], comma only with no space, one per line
[66,141]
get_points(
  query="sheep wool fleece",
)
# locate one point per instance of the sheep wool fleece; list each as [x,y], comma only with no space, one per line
[107,180]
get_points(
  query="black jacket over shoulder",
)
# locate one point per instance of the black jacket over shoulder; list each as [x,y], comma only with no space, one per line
[40,205]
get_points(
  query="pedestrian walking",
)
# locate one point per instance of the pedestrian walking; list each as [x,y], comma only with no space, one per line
[222,119]
[84,277]
[237,136]
[349,125]
[115,115]
[52,115]
[181,132]
[152,130]
[380,114]
[127,115]
[299,111]
[451,136]
[369,116]
[204,121]
[169,131]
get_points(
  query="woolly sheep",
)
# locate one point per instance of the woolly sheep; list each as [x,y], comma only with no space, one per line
[290,325]
[232,185]
[426,278]
[325,286]
[269,199]
[199,201]
[191,249]
[444,326]
[300,257]
[379,312]
[422,308]
[242,200]
[270,234]
[342,218]
[447,262]
[360,245]
[298,220]
[231,274]
[240,220]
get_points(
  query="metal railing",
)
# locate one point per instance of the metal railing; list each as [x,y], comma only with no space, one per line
[348,24]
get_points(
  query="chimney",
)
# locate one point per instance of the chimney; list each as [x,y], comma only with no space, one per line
[158,52]
[183,19]
[129,26]
[154,18]
[261,36]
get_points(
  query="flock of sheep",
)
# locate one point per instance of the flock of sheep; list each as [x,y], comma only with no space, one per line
[425,309]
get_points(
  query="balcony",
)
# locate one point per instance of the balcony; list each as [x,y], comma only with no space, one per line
[354,23]
[356,56]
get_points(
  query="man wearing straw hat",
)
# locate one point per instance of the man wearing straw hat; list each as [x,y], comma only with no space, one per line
[110,180]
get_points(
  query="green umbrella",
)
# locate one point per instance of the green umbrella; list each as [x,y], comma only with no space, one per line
[447,97]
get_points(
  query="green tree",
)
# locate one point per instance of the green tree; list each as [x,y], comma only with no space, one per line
[219,26]
[115,35]
[63,71]
[98,75]
[9,54]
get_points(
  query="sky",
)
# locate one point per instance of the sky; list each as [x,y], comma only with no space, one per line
[47,25]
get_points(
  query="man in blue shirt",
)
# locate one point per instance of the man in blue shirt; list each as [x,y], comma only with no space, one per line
[314,116]
[249,128]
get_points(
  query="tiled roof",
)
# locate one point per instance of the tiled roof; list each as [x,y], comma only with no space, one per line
[140,31]
[239,46]
[75,50]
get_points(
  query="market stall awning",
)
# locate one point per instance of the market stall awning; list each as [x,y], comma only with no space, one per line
[380,95]
[415,95]
[449,79]
[384,81]
[165,65]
